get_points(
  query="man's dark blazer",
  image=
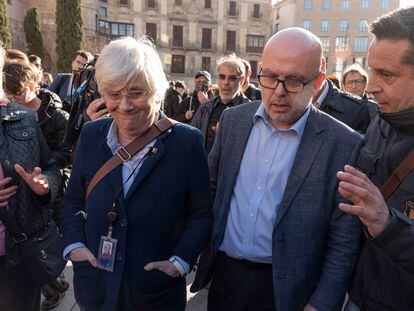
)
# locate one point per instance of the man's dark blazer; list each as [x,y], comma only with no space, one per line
[315,244]
[166,212]
[60,85]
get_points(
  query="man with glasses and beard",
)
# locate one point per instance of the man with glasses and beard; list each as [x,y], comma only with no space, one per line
[231,75]
[279,240]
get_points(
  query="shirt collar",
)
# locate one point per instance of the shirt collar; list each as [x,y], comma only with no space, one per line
[321,95]
[112,138]
[297,127]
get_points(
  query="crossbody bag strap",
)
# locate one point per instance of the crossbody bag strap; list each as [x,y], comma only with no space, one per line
[398,175]
[126,153]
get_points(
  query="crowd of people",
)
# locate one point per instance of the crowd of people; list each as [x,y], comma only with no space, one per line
[291,196]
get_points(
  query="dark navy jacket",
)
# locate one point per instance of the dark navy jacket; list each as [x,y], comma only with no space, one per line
[165,212]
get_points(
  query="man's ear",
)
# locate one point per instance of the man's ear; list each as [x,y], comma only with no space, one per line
[242,80]
[32,87]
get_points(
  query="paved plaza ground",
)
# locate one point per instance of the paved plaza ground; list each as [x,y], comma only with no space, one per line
[195,302]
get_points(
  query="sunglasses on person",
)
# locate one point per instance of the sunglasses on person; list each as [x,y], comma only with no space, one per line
[231,78]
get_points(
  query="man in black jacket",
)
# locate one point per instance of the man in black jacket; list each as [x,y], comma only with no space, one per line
[188,107]
[384,276]
[345,107]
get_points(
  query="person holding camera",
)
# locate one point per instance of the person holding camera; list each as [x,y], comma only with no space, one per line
[202,94]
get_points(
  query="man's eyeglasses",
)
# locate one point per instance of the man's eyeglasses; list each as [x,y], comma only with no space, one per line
[133,95]
[231,78]
[290,85]
[359,82]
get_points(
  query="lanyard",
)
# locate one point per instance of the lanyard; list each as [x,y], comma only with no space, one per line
[112,215]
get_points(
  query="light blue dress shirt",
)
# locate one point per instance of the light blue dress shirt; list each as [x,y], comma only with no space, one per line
[259,188]
[128,168]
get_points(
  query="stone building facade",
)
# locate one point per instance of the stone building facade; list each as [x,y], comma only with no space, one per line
[190,34]
[342,26]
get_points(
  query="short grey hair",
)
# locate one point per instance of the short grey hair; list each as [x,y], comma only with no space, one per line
[127,61]
[234,62]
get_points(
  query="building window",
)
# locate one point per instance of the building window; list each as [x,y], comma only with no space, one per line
[327,63]
[359,60]
[345,5]
[232,8]
[343,25]
[364,5]
[231,41]
[253,64]
[276,27]
[178,64]
[123,2]
[340,64]
[206,38]
[307,5]
[151,31]
[207,4]
[278,13]
[324,25]
[384,4]
[256,11]
[206,63]
[307,24]
[363,25]
[103,11]
[326,5]
[151,4]
[341,44]
[177,36]
[115,29]
[178,2]
[255,44]
[361,44]
[325,43]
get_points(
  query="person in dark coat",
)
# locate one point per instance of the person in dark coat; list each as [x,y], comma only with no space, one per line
[29,181]
[188,107]
[384,276]
[345,107]
[21,85]
[249,89]
[231,75]
[160,195]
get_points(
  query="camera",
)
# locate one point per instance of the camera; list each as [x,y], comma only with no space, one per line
[86,91]
[203,87]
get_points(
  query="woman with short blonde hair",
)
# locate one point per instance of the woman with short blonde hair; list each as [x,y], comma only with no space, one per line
[158,198]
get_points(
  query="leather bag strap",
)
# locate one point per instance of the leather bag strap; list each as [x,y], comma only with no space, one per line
[398,175]
[127,152]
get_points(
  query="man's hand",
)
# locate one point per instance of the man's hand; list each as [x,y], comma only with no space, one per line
[83,254]
[189,114]
[165,266]
[369,204]
[92,110]
[6,193]
[35,180]
[202,97]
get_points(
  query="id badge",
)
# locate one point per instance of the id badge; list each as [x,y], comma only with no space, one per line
[106,253]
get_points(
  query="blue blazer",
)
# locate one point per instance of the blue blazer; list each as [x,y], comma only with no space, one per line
[165,212]
[315,245]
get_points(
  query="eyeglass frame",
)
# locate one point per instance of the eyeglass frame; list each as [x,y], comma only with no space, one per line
[128,95]
[303,82]
[358,82]
[231,78]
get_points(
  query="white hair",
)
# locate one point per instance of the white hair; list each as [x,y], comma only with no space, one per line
[126,62]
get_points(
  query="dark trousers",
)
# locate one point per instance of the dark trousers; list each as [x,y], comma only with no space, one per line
[17,291]
[240,285]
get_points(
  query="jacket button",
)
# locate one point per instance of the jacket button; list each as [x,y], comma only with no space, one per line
[118,256]
[122,223]
[24,134]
